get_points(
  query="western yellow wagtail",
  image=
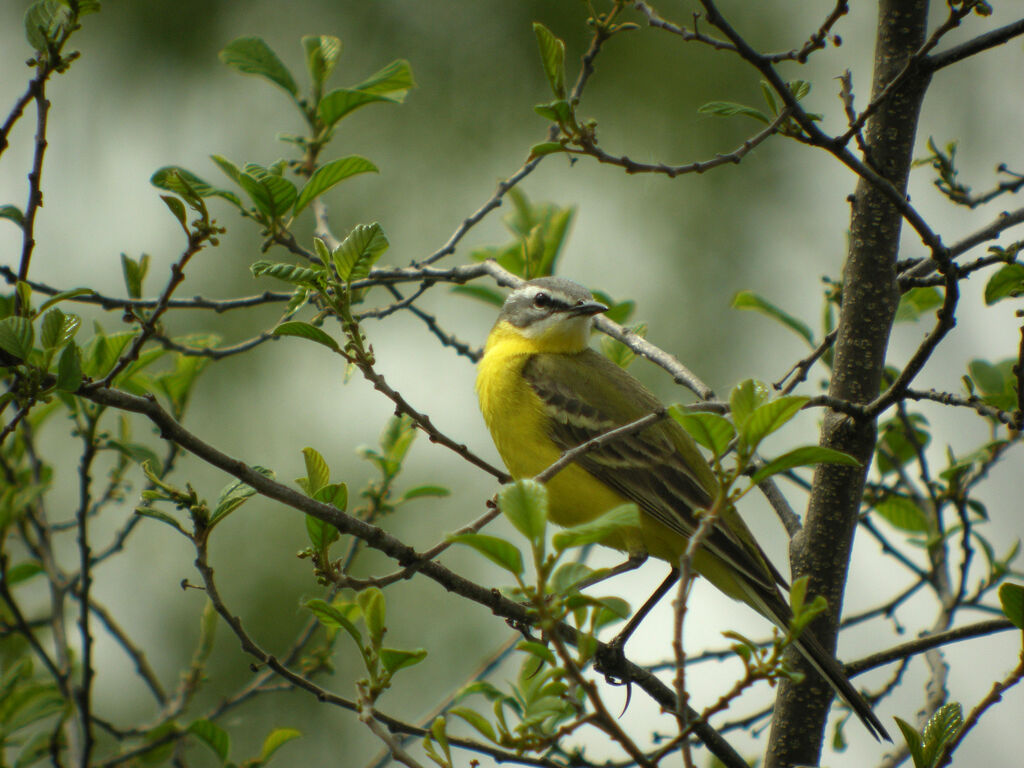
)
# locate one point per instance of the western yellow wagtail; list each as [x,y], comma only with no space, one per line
[543,391]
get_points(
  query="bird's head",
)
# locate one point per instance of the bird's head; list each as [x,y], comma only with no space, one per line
[552,313]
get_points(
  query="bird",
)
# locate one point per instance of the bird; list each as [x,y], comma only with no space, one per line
[544,391]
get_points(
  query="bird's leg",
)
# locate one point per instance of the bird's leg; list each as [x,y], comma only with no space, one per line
[613,656]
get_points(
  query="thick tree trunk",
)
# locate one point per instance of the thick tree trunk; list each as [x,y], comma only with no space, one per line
[822,549]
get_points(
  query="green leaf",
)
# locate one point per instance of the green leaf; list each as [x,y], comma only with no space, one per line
[229,168]
[600,528]
[321,533]
[46,21]
[183,182]
[903,513]
[359,251]
[326,176]
[135,271]
[371,602]
[331,616]
[476,720]
[17,336]
[12,213]
[568,575]
[498,551]
[69,369]
[997,382]
[322,52]
[545,148]
[393,660]
[941,729]
[16,574]
[1007,283]
[895,448]
[318,474]
[769,417]
[1011,597]
[136,452]
[557,111]
[234,495]
[342,101]
[177,209]
[65,296]
[275,740]
[58,329]
[393,80]
[215,737]
[916,302]
[803,457]
[105,350]
[750,300]
[729,109]
[525,504]
[271,193]
[253,56]
[420,491]
[306,331]
[552,56]
[745,398]
[290,273]
[712,431]
[914,742]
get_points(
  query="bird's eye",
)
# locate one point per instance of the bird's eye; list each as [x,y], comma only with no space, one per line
[541,300]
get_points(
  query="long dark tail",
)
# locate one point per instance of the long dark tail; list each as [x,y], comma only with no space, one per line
[823,662]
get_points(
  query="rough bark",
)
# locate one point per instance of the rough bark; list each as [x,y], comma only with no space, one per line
[822,550]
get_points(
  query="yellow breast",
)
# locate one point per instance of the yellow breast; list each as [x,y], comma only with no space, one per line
[517,421]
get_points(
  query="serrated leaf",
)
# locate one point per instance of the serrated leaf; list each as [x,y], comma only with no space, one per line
[498,551]
[712,431]
[290,273]
[804,456]
[233,495]
[359,251]
[134,272]
[103,351]
[57,329]
[626,516]
[65,296]
[17,336]
[568,575]
[1007,283]
[276,739]
[253,56]
[903,513]
[525,504]
[552,56]
[330,616]
[940,730]
[69,368]
[321,533]
[730,109]
[746,397]
[12,213]
[770,417]
[393,660]
[750,300]
[1011,598]
[306,331]
[335,494]
[215,737]
[271,193]
[177,209]
[326,176]
[476,720]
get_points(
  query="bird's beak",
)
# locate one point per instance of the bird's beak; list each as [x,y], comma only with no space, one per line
[588,308]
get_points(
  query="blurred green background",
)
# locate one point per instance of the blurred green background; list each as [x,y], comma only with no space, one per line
[149,91]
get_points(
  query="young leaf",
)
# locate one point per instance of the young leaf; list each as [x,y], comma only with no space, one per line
[276,739]
[326,176]
[371,601]
[215,737]
[359,251]
[712,431]
[498,551]
[69,368]
[12,213]
[941,729]
[341,101]
[233,495]
[393,660]
[318,474]
[271,193]
[914,743]
[475,719]
[253,56]
[729,109]
[1011,597]
[58,329]
[322,52]
[545,148]
[331,616]
[803,457]
[17,336]
[420,491]
[183,182]
[290,273]
[552,56]
[393,80]
[745,398]
[769,417]
[135,271]
[600,528]
[306,331]
[525,504]
[750,300]
[916,302]
[903,513]
[1007,283]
